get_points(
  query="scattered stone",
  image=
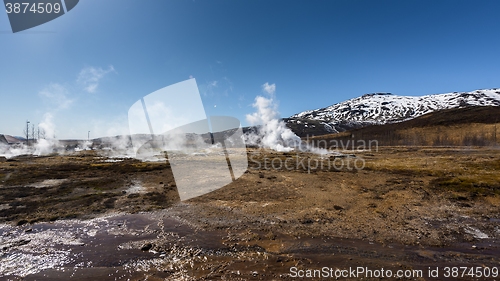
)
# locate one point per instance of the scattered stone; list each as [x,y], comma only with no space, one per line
[146,247]
[22,242]
[5,206]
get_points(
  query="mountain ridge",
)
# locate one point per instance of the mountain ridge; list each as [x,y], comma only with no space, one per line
[384,108]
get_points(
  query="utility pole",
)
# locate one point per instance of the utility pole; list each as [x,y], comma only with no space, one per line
[27,133]
[33,132]
[88,136]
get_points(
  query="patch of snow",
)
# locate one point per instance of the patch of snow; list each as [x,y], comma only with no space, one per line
[135,188]
[478,234]
[48,183]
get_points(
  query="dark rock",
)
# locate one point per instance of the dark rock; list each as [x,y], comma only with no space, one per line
[338,208]
[21,242]
[146,247]
[307,221]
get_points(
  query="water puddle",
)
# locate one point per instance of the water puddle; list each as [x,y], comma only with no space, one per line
[70,246]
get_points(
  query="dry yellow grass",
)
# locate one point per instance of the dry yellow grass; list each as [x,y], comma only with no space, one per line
[472,171]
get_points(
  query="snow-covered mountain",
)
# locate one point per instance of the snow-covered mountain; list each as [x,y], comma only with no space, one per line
[382,108]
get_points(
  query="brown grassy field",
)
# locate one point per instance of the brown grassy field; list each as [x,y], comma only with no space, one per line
[371,194]
[405,207]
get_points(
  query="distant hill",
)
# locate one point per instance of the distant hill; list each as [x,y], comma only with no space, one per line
[383,108]
[7,139]
[471,126]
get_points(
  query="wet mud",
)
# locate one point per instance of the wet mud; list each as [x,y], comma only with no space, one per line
[159,246]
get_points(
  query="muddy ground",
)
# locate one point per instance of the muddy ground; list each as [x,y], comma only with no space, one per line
[396,208]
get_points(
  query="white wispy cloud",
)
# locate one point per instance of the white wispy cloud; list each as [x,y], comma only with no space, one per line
[90,76]
[56,94]
[209,88]
[270,89]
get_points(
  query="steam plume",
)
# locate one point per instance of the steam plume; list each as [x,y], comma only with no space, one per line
[273,132]
[50,144]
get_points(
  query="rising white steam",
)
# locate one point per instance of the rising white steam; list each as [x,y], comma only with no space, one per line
[273,133]
[49,144]
[12,151]
[43,146]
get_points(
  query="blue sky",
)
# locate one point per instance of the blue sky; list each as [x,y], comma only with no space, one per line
[89,66]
